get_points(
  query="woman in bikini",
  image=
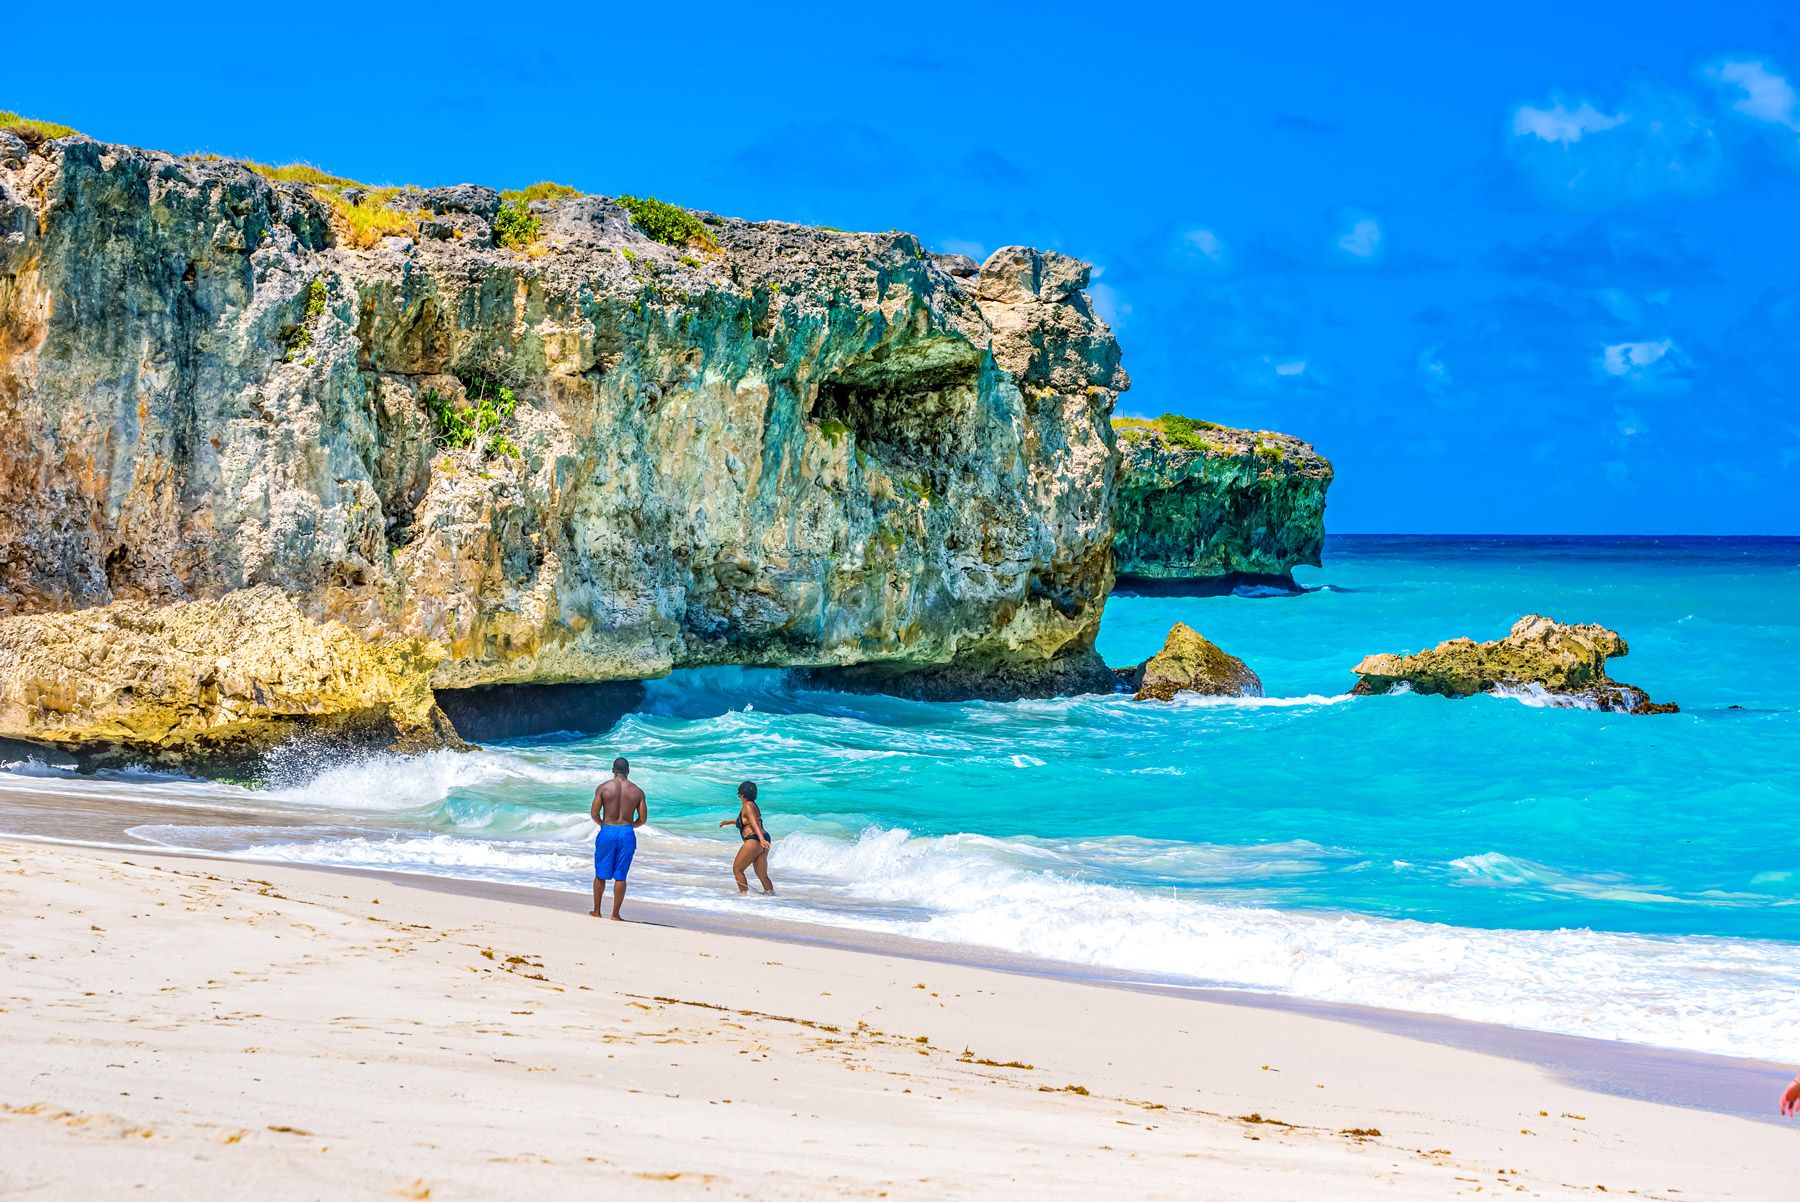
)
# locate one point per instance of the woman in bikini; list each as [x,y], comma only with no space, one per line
[753,848]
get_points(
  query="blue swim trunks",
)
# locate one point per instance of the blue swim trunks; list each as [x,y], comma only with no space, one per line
[613,848]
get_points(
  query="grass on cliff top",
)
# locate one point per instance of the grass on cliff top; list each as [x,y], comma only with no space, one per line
[1182,431]
[301,173]
[366,224]
[669,224]
[33,130]
[542,190]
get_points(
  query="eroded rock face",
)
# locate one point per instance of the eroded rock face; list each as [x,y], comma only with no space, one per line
[1216,504]
[804,448]
[1559,664]
[1189,662]
[201,683]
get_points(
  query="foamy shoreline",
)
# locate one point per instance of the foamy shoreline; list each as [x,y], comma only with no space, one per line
[982,901]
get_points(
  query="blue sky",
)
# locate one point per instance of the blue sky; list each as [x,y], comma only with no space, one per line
[1531,271]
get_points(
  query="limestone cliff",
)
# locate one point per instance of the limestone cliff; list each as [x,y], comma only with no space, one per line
[203,684]
[1200,502]
[761,444]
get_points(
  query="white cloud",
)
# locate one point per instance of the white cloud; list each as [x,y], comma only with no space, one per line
[1627,358]
[1559,123]
[1112,309]
[1291,367]
[1362,239]
[1206,242]
[1767,95]
[1433,369]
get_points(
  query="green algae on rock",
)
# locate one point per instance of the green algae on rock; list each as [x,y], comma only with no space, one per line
[802,448]
[1561,665]
[1189,662]
[1202,502]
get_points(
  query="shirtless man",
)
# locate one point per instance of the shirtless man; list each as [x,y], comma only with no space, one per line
[619,808]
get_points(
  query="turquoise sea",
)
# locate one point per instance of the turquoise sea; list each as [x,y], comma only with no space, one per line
[1493,859]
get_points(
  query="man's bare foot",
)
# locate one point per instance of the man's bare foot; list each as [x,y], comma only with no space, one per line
[615,918]
[593,913]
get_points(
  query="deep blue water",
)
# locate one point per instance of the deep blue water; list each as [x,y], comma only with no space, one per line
[1563,869]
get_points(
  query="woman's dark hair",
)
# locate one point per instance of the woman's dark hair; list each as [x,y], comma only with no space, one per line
[747,790]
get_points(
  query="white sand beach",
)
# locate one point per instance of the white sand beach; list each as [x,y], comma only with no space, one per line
[181,1027]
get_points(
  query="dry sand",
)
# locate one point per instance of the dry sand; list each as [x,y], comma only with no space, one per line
[176,1027]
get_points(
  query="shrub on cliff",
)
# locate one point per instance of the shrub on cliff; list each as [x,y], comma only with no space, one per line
[475,425]
[298,337]
[516,226]
[669,224]
[32,130]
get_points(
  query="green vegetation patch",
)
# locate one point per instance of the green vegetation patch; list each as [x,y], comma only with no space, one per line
[298,337]
[302,173]
[1182,431]
[516,226]
[476,424]
[367,223]
[542,190]
[669,224]
[33,130]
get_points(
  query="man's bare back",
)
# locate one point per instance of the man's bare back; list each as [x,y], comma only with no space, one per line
[616,802]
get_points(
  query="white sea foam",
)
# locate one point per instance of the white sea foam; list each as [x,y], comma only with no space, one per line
[1196,700]
[1729,996]
[1031,897]
[1538,697]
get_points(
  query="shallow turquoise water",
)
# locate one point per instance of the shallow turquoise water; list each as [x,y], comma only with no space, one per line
[1624,877]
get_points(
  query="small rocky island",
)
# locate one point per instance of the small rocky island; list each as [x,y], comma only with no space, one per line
[1189,662]
[1207,505]
[1561,665]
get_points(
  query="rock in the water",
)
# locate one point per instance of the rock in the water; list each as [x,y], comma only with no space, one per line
[210,683]
[769,445]
[1200,502]
[1191,663]
[1541,659]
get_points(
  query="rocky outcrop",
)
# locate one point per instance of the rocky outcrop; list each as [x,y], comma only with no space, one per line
[210,683]
[1205,504]
[1540,659]
[771,445]
[1191,663]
